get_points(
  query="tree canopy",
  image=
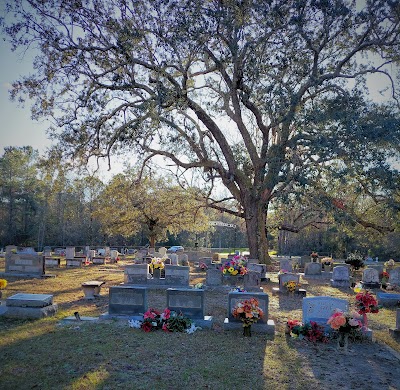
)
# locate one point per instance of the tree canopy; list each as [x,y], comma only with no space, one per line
[266,97]
[126,206]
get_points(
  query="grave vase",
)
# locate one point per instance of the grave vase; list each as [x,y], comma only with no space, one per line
[343,342]
[157,273]
[365,321]
[247,331]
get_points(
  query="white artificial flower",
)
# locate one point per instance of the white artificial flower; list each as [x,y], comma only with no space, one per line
[192,328]
[135,324]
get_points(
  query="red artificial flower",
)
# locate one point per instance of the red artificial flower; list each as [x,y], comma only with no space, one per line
[146,326]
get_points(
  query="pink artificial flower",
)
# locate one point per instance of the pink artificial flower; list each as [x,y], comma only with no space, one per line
[165,327]
[166,314]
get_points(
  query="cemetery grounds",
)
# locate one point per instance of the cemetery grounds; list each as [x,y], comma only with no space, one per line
[46,354]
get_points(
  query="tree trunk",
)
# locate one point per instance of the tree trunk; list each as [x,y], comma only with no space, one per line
[255,213]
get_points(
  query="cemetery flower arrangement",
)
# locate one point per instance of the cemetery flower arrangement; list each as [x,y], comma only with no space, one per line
[168,321]
[389,263]
[203,266]
[310,331]
[236,266]
[3,283]
[156,263]
[384,277]
[291,285]
[345,322]
[248,311]
[238,289]
[366,303]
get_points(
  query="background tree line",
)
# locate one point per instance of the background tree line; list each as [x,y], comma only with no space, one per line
[42,203]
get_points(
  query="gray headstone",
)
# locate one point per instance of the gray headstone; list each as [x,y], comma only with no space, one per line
[183,259]
[136,274]
[313,269]
[213,277]
[252,280]
[69,252]
[370,275]
[176,275]
[29,300]
[286,264]
[188,301]
[387,299]
[174,258]
[394,276]
[235,297]
[398,319]
[340,273]
[283,278]
[162,251]
[319,309]
[127,300]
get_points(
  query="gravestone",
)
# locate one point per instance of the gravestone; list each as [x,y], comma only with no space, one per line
[319,309]
[340,277]
[394,276]
[162,251]
[191,303]
[206,260]
[47,251]
[183,259]
[213,277]
[69,252]
[32,306]
[74,262]
[51,262]
[24,262]
[260,268]
[174,258]
[286,264]
[264,325]
[136,274]
[113,256]
[126,301]
[99,260]
[252,281]
[176,275]
[388,299]
[370,278]
[313,269]
[304,260]
[283,278]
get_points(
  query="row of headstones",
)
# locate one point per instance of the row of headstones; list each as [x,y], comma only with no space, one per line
[173,275]
[341,274]
[132,301]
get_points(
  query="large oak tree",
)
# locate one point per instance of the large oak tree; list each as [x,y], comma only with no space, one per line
[251,94]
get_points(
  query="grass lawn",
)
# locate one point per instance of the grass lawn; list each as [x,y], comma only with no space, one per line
[43,354]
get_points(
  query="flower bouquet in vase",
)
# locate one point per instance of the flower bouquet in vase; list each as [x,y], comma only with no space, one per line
[366,303]
[249,313]
[345,324]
